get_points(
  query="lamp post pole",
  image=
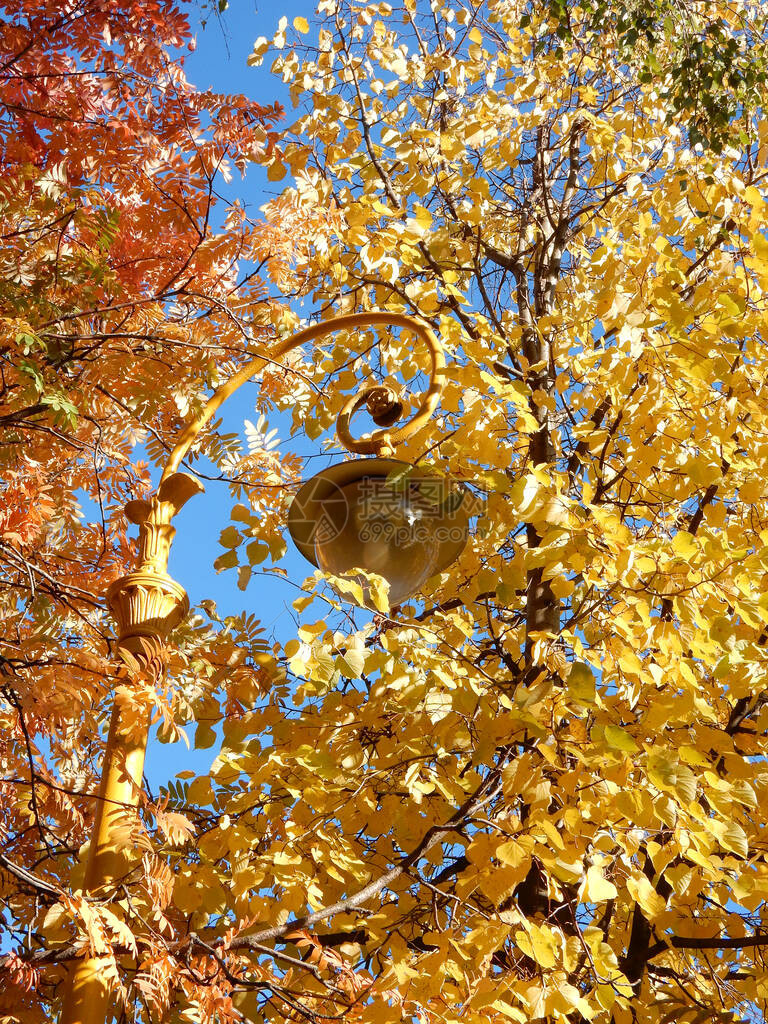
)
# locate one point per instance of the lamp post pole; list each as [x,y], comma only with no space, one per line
[148,603]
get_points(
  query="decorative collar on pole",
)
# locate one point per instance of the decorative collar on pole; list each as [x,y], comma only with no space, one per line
[148,602]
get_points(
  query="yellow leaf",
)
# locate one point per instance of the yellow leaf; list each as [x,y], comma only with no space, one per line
[301,25]
[735,839]
[596,888]
[620,739]
[175,827]
[498,883]
[539,943]
[642,892]
[56,921]
[229,538]
[581,683]
[512,853]
[509,1011]
[692,756]
[684,544]
[684,786]
[742,791]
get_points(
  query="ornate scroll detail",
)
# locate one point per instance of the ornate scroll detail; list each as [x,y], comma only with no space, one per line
[148,602]
[383,404]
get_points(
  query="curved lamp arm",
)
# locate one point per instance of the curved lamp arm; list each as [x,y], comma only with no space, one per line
[147,603]
[381,442]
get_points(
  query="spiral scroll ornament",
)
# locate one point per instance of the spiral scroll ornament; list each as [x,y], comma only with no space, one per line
[385,409]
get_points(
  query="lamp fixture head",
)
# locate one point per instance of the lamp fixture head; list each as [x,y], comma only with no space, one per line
[383,516]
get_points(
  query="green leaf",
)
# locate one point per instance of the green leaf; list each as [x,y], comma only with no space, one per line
[32,371]
[62,404]
[27,342]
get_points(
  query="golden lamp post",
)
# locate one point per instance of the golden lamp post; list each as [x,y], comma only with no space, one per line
[331,523]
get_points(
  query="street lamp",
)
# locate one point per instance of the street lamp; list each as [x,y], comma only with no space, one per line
[378,515]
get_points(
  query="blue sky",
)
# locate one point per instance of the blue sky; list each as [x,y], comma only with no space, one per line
[220,62]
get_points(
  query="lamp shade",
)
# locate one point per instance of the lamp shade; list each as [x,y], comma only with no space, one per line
[382,516]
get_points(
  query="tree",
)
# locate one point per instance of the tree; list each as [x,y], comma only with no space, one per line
[546,799]
[537,792]
[125,296]
[709,59]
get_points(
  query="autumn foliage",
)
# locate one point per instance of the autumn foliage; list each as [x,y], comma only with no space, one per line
[537,791]
[124,296]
